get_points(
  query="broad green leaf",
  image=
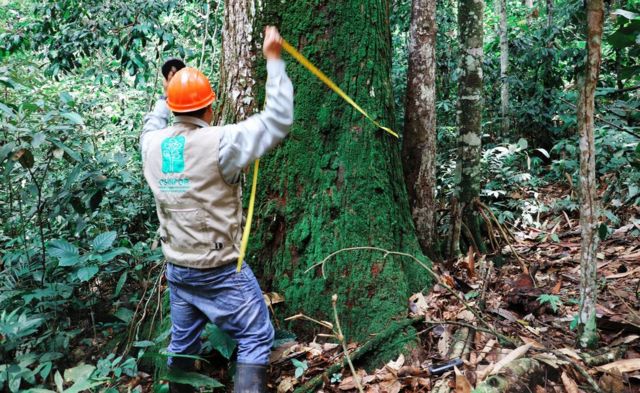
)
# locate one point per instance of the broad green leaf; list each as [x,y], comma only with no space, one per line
[603,231]
[6,150]
[66,97]
[75,156]
[109,255]
[14,384]
[67,253]
[46,370]
[627,14]
[5,109]
[83,386]
[194,379]
[124,314]
[73,117]
[38,139]
[298,364]
[220,341]
[103,241]
[87,272]
[58,380]
[120,284]
[80,372]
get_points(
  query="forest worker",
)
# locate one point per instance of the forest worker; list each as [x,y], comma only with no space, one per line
[193,170]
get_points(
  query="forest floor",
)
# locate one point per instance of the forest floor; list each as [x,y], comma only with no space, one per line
[494,315]
[535,311]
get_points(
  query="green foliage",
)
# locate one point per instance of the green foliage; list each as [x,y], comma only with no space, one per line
[218,340]
[192,378]
[77,222]
[553,301]
[301,367]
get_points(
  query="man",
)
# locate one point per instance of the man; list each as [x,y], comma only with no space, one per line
[193,170]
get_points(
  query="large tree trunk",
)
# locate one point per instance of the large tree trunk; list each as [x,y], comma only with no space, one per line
[470,24]
[336,181]
[501,10]
[588,197]
[236,90]
[419,143]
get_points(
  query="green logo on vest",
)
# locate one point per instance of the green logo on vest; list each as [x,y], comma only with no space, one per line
[173,154]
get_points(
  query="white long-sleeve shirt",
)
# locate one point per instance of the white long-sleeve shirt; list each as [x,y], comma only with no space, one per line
[244,142]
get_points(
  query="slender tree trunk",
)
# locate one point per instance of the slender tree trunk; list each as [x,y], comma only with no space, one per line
[501,10]
[419,142]
[236,92]
[470,24]
[337,181]
[589,212]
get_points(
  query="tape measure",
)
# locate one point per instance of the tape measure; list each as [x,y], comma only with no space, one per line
[330,84]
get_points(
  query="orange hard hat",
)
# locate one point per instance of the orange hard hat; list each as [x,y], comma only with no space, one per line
[189,90]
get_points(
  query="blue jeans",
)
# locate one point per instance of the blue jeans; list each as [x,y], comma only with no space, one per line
[232,301]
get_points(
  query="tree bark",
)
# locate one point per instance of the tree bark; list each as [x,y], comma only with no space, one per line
[589,212]
[470,24]
[501,10]
[337,181]
[236,100]
[419,139]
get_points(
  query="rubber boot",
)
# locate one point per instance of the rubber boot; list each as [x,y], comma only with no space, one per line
[250,378]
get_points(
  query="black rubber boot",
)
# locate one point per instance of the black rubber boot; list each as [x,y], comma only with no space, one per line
[250,378]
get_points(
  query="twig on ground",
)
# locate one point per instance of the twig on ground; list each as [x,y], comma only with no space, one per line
[369,346]
[578,368]
[506,237]
[356,379]
[428,269]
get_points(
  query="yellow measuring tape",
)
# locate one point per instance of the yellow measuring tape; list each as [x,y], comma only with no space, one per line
[330,84]
[325,79]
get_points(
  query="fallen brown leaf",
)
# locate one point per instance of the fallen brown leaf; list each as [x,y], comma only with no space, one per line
[462,383]
[569,384]
[624,365]
[287,384]
[612,382]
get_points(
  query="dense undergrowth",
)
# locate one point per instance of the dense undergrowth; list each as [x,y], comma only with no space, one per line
[78,252]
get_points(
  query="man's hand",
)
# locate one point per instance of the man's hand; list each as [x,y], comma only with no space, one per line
[272,43]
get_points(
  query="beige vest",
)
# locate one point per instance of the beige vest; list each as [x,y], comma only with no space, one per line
[200,214]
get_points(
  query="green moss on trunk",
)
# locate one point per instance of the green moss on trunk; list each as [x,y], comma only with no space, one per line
[336,181]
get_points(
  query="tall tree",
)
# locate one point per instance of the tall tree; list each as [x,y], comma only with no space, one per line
[337,182]
[501,10]
[237,83]
[470,25]
[419,143]
[588,197]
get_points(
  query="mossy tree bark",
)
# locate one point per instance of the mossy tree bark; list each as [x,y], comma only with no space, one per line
[236,92]
[419,142]
[588,196]
[470,25]
[336,181]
